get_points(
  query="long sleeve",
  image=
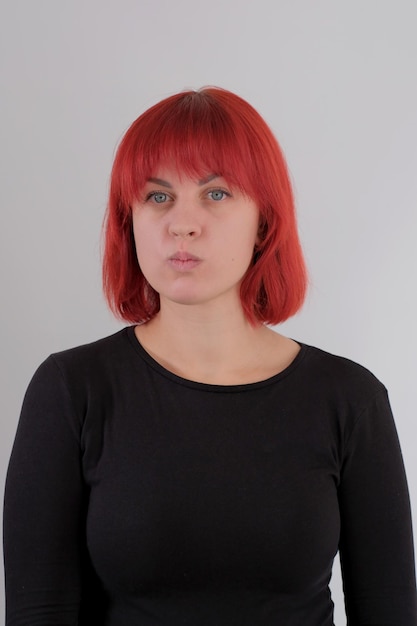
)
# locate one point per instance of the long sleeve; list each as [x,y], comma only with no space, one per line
[43,513]
[376,546]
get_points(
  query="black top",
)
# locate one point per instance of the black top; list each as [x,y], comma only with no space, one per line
[135,497]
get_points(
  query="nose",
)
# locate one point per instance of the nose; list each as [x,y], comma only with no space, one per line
[184,225]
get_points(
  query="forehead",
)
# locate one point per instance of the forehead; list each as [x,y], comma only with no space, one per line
[169,176]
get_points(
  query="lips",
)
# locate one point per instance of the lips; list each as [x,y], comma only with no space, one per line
[183,261]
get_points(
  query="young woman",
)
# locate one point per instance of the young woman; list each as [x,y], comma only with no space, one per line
[197,468]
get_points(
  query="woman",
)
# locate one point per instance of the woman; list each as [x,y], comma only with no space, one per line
[197,468]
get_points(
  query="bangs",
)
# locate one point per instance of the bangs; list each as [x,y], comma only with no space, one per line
[196,136]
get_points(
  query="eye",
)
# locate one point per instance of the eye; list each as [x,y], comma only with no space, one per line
[157,196]
[218,194]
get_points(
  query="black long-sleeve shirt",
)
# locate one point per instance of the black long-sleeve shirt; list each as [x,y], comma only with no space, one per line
[135,497]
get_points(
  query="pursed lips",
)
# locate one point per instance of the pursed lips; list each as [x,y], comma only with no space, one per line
[183,261]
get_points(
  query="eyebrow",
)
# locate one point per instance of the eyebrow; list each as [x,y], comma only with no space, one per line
[208,178]
[159,181]
[165,183]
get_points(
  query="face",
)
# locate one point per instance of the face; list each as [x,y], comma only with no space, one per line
[194,238]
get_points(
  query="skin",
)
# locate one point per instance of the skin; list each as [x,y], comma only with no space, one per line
[195,240]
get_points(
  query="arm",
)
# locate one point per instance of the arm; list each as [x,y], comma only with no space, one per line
[376,546]
[43,511]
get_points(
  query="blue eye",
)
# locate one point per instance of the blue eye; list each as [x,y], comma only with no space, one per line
[158,197]
[217,194]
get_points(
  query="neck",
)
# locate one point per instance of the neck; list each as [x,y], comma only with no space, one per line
[196,329]
[202,344]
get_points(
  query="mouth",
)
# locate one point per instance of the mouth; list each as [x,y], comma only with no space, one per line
[184,261]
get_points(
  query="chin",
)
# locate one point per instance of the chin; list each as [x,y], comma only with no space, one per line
[187,297]
[187,300]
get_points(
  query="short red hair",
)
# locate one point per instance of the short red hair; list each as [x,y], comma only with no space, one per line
[206,131]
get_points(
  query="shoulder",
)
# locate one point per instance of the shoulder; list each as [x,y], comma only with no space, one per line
[96,351]
[75,379]
[344,395]
[336,366]
[339,376]
[83,366]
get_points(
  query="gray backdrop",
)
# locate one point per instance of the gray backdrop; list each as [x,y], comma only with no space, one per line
[337,83]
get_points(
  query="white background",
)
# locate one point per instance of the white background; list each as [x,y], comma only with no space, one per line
[336,81]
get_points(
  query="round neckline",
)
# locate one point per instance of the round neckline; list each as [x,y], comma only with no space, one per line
[139,349]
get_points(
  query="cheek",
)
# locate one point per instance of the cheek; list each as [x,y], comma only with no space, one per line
[247,234]
[242,250]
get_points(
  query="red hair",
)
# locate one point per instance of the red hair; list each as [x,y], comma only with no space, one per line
[206,131]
